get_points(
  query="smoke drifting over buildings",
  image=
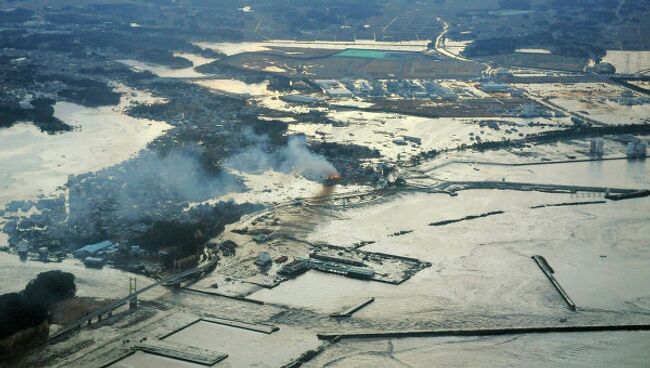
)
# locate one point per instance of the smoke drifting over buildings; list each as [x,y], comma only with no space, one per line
[179,174]
[156,186]
[294,158]
[151,185]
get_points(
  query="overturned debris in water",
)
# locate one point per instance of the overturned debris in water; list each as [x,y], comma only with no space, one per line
[401,232]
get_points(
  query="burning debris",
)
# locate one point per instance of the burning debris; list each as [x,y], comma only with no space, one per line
[333,179]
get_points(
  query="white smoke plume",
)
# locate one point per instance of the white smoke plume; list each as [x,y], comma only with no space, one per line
[151,183]
[294,158]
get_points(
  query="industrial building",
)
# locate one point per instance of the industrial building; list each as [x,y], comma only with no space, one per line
[93,249]
[334,88]
[404,88]
[495,87]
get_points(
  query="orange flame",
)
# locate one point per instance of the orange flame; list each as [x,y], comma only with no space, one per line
[334,178]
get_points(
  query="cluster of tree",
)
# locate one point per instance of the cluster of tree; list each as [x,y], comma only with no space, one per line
[31,307]
[187,236]
[55,42]
[42,115]
[321,14]
[577,132]
[83,91]
[155,45]
[491,46]
[224,68]
[508,45]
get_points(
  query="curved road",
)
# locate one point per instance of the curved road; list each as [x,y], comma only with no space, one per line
[440,47]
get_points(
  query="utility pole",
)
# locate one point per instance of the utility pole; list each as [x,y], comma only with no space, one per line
[133,288]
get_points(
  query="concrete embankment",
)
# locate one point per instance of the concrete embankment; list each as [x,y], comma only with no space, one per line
[488,163]
[548,271]
[630,195]
[552,188]
[483,331]
[564,204]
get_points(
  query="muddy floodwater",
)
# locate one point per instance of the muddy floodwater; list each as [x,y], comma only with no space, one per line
[573,350]
[145,360]
[235,87]
[633,174]
[484,264]
[106,283]
[246,348]
[33,162]
[629,62]
[163,71]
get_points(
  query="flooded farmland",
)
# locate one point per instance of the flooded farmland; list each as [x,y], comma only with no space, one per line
[36,163]
[628,62]
[615,173]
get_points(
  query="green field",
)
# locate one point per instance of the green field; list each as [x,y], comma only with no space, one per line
[358,53]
